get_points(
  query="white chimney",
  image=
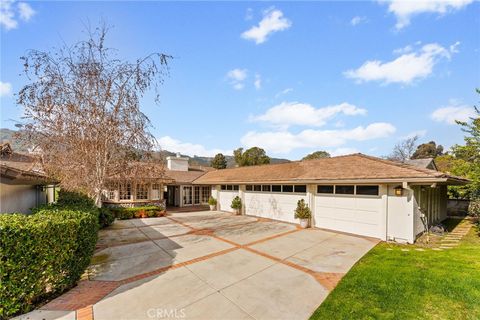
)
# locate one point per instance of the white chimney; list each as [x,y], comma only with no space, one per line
[177,163]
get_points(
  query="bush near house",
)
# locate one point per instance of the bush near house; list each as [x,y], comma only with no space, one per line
[138,212]
[45,253]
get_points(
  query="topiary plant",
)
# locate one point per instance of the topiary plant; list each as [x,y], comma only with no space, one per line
[212,201]
[302,211]
[236,203]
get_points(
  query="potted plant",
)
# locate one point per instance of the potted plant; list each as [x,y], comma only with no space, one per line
[236,204]
[303,213]
[212,202]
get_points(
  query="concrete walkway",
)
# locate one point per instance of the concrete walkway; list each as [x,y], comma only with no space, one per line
[208,265]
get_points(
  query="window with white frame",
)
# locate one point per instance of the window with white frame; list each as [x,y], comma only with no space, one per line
[205,194]
[125,191]
[111,194]
[155,191]
[142,191]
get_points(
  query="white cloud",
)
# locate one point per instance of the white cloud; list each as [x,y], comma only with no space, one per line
[451,113]
[357,20]
[295,113]
[285,141]
[9,12]
[284,91]
[272,21]
[258,81]
[191,149]
[5,89]
[237,78]
[406,68]
[404,10]
[25,10]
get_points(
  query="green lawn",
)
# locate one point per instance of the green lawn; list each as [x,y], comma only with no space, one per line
[393,284]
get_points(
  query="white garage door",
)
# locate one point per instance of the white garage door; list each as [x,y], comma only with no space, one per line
[352,214]
[225,200]
[271,205]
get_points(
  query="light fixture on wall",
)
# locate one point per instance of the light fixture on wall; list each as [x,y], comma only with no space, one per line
[398,190]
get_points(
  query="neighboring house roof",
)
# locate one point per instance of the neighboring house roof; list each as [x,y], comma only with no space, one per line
[352,167]
[427,163]
[184,177]
[14,165]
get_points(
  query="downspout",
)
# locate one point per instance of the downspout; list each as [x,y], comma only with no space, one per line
[386,214]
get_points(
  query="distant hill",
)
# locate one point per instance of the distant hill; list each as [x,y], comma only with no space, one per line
[8,135]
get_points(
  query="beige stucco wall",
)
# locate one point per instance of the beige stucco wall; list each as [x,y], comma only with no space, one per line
[19,198]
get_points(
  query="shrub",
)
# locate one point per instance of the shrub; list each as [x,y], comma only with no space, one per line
[43,254]
[74,199]
[212,201]
[474,209]
[302,211]
[236,203]
[138,212]
[105,217]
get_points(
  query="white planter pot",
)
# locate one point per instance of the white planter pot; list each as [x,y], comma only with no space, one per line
[212,207]
[304,223]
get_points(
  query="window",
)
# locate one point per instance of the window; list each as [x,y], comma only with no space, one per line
[287,188]
[367,190]
[276,188]
[249,187]
[235,187]
[205,194]
[266,188]
[301,188]
[111,194]
[344,189]
[125,191]
[142,192]
[224,187]
[229,187]
[196,195]
[155,191]
[257,187]
[325,189]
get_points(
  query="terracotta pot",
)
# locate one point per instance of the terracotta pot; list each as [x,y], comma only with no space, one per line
[237,211]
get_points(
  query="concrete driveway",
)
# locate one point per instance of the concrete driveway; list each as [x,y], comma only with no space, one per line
[208,265]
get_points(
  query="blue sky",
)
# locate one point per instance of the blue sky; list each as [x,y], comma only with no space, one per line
[289,77]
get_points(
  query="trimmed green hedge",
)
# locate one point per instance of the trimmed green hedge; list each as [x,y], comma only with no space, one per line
[44,254]
[138,212]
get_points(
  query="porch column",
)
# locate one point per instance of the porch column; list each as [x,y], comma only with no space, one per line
[310,198]
[241,194]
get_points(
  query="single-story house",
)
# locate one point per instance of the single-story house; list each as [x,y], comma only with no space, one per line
[356,193]
[23,184]
[171,186]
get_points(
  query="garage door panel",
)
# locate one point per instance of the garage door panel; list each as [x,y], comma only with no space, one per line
[273,206]
[225,200]
[354,214]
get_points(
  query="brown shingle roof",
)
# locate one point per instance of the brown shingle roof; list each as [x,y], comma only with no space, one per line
[19,165]
[184,177]
[350,167]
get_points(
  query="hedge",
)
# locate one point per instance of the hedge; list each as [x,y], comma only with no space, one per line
[138,212]
[45,253]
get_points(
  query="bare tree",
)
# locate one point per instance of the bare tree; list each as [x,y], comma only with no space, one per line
[82,109]
[404,149]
